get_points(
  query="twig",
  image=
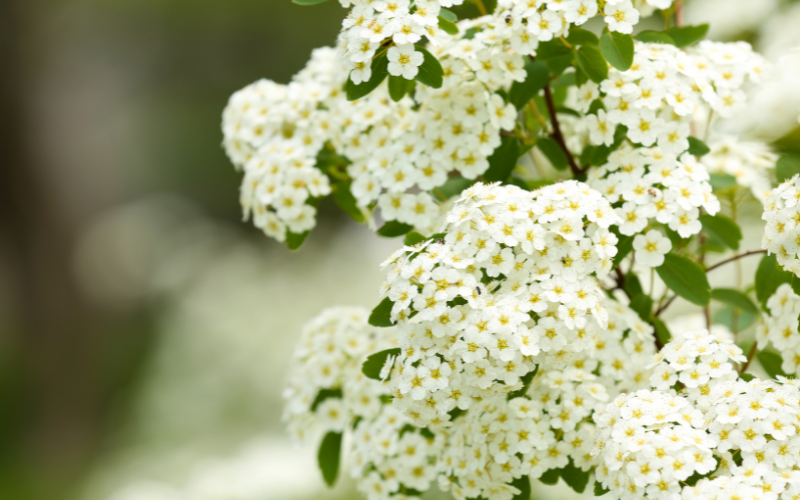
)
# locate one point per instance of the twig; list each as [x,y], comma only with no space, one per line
[735,257]
[750,356]
[666,305]
[557,135]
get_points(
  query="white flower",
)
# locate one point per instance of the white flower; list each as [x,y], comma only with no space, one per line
[650,248]
[404,61]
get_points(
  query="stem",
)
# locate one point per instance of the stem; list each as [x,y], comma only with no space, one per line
[666,305]
[678,13]
[557,135]
[734,258]
[481,7]
[750,356]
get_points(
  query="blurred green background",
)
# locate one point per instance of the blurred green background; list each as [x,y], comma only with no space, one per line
[144,330]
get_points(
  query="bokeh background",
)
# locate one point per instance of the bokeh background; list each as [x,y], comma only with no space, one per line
[144,329]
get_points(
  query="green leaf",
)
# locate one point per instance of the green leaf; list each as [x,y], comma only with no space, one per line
[697,147]
[431,72]
[642,304]
[308,2]
[686,278]
[330,451]
[454,186]
[526,383]
[771,362]
[654,37]
[685,36]
[576,478]
[599,489]
[662,331]
[557,65]
[294,241]
[624,246]
[727,316]
[347,202]
[536,79]
[579,36]
[769,276]
[552,49]
[746,377]
[592,62]
[523,484]
[413,238]
[398,86]
[734,298]
[632,285]
[448,15]
[550,477]
[553,152]
[324,394]
[787,166]
[380,70]
[503,160]
[381,316]
[374,363]
[722,181]
[394,228]
[617,49]
[723,228]
[447,26]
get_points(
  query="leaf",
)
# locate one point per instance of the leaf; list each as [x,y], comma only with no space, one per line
[787,166]
[536,79]
[697,147]
[654,37]
[734,298]
[599,489]
[769,276]
[685,36]
[328,457]
[662,331]
[381,316]
[550,477]
[503,160]
[579,36]
[575,477]
[324,394]
[771,362]
[746,377]
[632,285]
[399,87]
[380,69]
[526,383]
[523,484]
[431,72]
[413,238]
[617,49]
[727,316]
[642,304]
[308,2]
[447,26]
[552,49]
[448,15]
[723,228]
[686,278]
[454,186]
[592,62]
[393,228]
[294,241]
[624,246]
[722,181]
[347,202]
[557,65]
[374,363]
[553,152]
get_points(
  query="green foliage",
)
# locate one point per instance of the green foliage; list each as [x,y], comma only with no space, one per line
[413,238]
[723,228]
[523,484]
[642,304]
[536,79]
[374,363]
[328,457]
[431,72]
[734,298]
[686,278]
[697,147]
[380,70]
[722,181]
[447,26]
[553,152]
[592,62]
[393,228]
[769,276]
[294,240]
[503,160]
[308,2]
[771,363]
[399,87]
[575,477]
[324,394]
[684,36]
[578,36]
[347,202]
[624,246]
[454,186]
[787,166]
[662,331]
[654,37]
[550,477]
[448,15]
[617,49]
[381,316]
[599,489]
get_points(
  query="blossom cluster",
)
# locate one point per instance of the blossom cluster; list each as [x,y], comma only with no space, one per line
[779,328]
[751,163]
[512,275]
[733,438]
[781,231]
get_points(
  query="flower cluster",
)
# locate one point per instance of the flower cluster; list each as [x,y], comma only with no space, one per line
[781,232]
[751,163]
[510,277]
[779,327]
[326,389]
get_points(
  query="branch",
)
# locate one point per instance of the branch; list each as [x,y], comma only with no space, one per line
[557,135]
[750,356]
[666,304]
[735,257]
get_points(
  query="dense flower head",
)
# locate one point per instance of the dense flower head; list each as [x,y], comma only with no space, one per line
[782,230]
[750,163]
[779,328]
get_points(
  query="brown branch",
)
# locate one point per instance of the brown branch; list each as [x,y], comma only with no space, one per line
[666,304]
[750,356]
[735,257]
[557,135]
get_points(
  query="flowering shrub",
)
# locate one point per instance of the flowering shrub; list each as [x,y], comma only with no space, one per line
[557,189]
